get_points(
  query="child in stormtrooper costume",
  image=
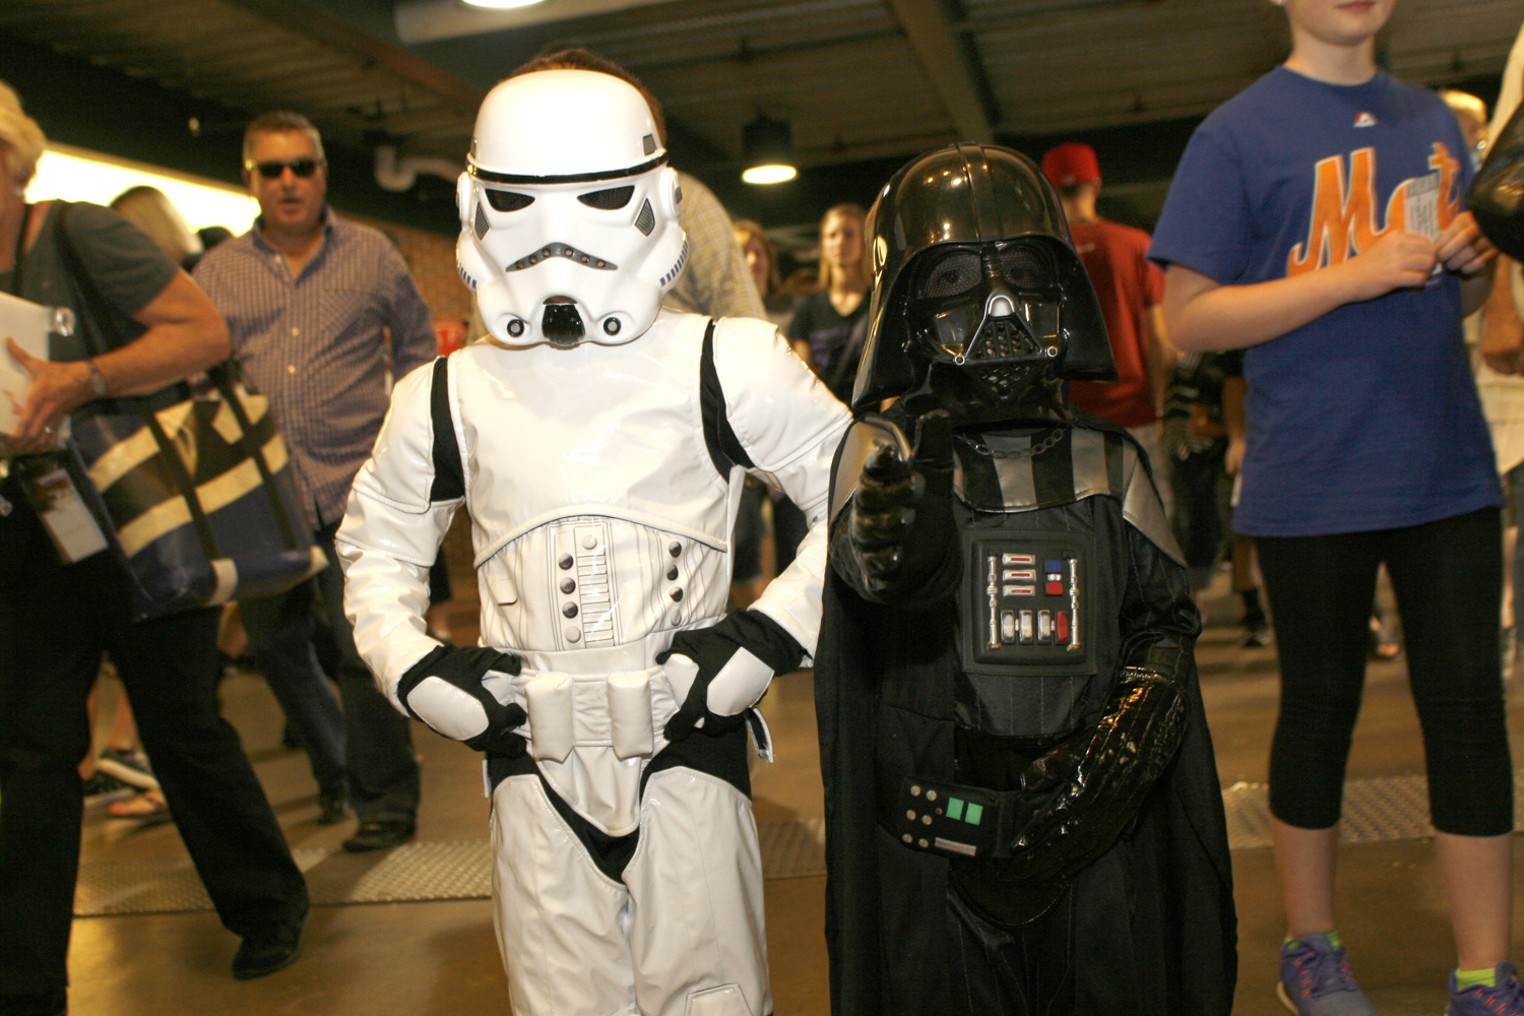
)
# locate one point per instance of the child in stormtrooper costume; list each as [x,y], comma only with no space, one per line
[1022,809]
[599,445]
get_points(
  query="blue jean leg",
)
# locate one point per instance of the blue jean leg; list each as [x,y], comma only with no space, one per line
[383,769]
[280,634]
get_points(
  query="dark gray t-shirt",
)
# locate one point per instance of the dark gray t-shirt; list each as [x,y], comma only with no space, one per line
[127,268]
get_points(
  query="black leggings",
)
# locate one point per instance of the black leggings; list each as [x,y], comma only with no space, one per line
[1447,576]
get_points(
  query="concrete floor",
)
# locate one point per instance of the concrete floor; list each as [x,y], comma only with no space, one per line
[423,959]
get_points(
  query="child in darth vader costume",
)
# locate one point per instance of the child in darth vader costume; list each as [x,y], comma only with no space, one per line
[599,444]
[1022,808]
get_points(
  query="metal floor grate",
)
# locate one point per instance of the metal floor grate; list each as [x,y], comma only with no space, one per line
[1375,810]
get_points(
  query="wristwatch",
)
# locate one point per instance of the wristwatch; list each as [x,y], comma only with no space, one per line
[97,380]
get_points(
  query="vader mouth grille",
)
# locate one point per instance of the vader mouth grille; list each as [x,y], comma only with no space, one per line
[1004,340]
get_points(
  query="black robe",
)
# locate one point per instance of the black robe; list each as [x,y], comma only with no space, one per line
[1149,928]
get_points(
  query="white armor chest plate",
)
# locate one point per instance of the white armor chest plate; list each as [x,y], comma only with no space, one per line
[599,518]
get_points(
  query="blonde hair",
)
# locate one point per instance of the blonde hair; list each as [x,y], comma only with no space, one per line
[21,140]
[148,209]
[1464,102]
[1471,113]
[847,210]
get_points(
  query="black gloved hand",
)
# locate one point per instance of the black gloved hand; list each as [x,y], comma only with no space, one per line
[902,522]
[721,671]
[444,690]
[1092,784]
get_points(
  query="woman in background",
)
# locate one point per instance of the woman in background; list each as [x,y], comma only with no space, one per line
[828,327]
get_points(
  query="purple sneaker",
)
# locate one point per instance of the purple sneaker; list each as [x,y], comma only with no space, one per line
[1506,998]
[1315,980]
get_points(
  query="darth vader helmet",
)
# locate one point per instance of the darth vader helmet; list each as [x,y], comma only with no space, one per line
[980,304]
[568,211]
[1497,194]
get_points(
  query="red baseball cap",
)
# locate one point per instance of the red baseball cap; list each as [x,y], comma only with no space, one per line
[1071,164]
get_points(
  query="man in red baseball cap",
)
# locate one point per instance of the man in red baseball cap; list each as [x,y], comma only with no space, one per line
[1130,289]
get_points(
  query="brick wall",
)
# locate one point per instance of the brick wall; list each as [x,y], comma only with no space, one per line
[431,258]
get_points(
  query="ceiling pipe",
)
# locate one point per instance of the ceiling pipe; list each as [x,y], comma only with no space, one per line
[398,173]
[432,20]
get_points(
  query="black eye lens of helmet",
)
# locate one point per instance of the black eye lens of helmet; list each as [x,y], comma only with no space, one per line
[608,200]
[1025,267]
[508,201]
[952,274]
[273,169]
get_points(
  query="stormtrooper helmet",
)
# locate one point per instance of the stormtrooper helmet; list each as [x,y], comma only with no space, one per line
[568,211]
[980,304]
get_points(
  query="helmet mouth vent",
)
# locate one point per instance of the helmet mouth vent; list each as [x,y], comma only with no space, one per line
[563,250]
[1004,341]
[561,324]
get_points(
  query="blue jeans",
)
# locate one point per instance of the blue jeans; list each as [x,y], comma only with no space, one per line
[368,745]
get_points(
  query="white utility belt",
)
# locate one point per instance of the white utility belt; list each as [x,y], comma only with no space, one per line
[616,698]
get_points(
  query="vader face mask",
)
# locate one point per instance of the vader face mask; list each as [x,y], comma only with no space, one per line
[984,318]
[980,304]
[568,211]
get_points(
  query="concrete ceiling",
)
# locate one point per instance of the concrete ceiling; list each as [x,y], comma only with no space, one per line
[865,83]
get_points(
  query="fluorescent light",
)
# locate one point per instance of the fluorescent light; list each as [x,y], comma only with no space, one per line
[77,174]
[501,5]
[770,173]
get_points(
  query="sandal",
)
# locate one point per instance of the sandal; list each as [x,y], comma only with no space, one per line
[148,808]
[1383,648]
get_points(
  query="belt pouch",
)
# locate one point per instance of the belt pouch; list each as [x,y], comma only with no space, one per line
[552,716]
[629,697]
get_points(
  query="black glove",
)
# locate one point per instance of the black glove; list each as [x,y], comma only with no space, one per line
[901,522]
[1095,781]
[444,690]
[726,668]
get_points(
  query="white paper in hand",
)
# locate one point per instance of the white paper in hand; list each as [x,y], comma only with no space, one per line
[28,323]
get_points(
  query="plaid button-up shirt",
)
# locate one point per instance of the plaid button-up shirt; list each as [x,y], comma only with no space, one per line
[323,346]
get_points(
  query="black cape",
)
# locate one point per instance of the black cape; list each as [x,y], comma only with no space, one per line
[1153,925]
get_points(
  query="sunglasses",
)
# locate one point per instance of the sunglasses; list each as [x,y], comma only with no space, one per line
[272,170]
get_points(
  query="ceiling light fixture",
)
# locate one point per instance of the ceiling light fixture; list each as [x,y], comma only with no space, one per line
[501,5]
[767,148]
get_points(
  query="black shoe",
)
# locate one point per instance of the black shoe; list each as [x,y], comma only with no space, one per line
[55,1003]
[380,835]
[332,806]
[265,952]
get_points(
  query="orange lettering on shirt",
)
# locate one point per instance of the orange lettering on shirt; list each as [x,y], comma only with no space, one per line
[1343,221]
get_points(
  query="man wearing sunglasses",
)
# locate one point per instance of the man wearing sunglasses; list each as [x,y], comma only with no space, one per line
[309,298]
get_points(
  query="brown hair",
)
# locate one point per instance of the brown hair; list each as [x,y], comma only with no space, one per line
[746,231]
[846,210]
[280,122]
